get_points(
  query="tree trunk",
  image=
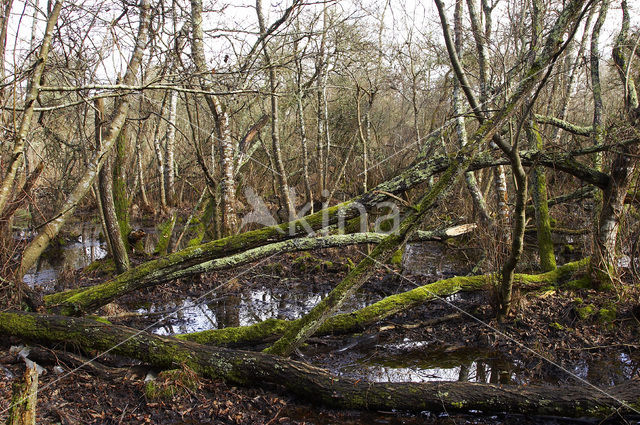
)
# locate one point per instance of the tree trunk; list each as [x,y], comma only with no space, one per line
[49,231]
[169,170]
[117,246]
[157,148]
[221,118]
[481,108]
[517,238]
[22,410]
[5,10]
[140,170]
[314,384]
[281,173]
[120,197]
[479,204]
[33,89]
[321,94]
[541,205]
[604,268]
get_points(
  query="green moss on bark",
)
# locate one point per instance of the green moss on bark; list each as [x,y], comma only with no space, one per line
[360,319]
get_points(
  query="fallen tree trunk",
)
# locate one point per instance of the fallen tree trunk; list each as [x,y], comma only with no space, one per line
[157,271]
[86,299]
[387,307]
[161,270]
[315,384]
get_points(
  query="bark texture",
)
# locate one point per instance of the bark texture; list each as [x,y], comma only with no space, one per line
[312,383]
[51,229]
[114,236]
[25,398]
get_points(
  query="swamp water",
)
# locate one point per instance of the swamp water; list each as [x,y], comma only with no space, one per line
[82,248]
[361,357]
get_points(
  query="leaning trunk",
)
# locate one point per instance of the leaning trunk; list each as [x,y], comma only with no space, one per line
[33,89]
[37,246]
[105,191]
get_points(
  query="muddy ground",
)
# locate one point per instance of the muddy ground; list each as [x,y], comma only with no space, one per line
[590,335]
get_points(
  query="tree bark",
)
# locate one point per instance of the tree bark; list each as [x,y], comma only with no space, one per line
[221,118]
[312,383]
[22,410]
[541,205]
[33,89]
[117,246]
[539,191]
[169,168]
[479,204]
[49,231]
[604,268]
[120,197]
[5,10]
[280,172]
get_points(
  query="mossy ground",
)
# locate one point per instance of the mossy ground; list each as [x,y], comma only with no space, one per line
[170,384]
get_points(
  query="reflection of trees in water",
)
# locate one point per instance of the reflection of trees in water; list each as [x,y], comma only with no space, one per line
[465,370]
[227,310]
[481,372]
[283,304]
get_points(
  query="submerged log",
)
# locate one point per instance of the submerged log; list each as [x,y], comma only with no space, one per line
[315,384]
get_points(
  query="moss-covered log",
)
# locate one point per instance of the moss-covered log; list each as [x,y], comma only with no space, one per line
[315,384]
[306,326]
[360,319]
[84,299]
[22,410]
[158,271]
[565,125]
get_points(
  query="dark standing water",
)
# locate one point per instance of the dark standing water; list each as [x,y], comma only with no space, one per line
[77,254]
[361,356]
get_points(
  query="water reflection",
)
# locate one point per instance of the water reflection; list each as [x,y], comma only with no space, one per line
[415,361]
[438,260]
[77,254]
[241,308]
[424,364]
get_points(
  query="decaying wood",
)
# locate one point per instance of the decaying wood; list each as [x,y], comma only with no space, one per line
[315,384]
[25,397]
[86,299]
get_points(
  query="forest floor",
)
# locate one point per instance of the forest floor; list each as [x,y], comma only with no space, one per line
[589,336]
